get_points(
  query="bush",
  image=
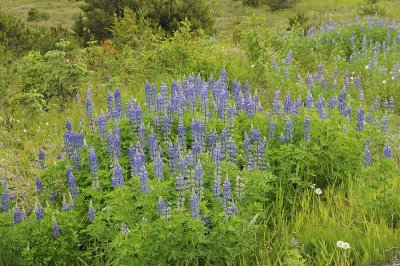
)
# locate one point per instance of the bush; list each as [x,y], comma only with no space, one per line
[280,4]
[253,3]
[36,15]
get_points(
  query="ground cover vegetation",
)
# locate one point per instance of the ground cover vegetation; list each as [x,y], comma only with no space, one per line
[149,143]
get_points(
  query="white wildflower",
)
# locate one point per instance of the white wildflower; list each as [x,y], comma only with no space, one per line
[318,191]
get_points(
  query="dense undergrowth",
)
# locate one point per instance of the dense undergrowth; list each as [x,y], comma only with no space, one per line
[208,170]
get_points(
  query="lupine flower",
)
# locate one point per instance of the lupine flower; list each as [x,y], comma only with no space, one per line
[289,130]
[39,211]
[56,230]
[233,210]
[124,229]
[118,179]
[194,206]
[309,101]
[153,144]
[91,212]
[144,182]
[39,185]
[217,187]
[198,179]
[367,157]
[94,168]
[68,125]
[287,106]
[309,81]
[89,106]
[271,130]
[385,125]
[102,124]
[158,169]
[391,104]
[164,208]
[387,151]
[5,199]
[360,119]
[67,206]
[17,215]
[72,185]
[226,195]
[118,103]
[307,128]
[41,157]
[342,101]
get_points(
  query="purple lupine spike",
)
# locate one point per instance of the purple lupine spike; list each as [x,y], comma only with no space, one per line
[39,186]
[72,185]
[309,100]
[5,199]
[342,101]
[94,167]
[233,210]
[287,106]
[153,144]
[212,140]
[118,179]
[68,126]
[387,151]
[17,215]
[271,130]
[39,211]
[288,59]
[110,102]
[246,144]
[56,230]
[182,134]
[118,103]
[110,145]
[281,138]
[89,106]
[333,102]
[164,209]
[391,105]
[232,151]
[360,119]
[319,71]
[377,103]
[276,67]
[198,179]
[276,106]
[385,125]
[307,128]
[102,123]
[194,206]
[91,212]
[226,195]
[144,182]
[217,188]
[289,130]
[41,158]
[158,170]
[367,157]
[309,81]
[172,158]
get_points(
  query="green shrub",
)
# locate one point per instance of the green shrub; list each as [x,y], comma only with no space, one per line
[253,3]
[35,15]
[280,4]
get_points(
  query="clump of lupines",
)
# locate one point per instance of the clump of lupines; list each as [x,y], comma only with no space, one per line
[91,212]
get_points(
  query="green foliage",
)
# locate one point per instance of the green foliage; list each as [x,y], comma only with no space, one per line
[166,14]
[298,22]
[371,8]
[275,5]
[253,3]
[35,15]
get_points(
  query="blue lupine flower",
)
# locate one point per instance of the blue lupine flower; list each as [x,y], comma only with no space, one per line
[17,215]
[94,167]
[387,151]
[110,104]
[68,125]
[289,129]
[118,179]
[158,169]
[342,101]
[309,101]
[5,199]
[52,196]
[276,67]
[198,179]
[72,185]
[67,206]
[360,119]
[144,182]
[39,185]
[164,208]
[39,211]
[124,228]
[271,130]
[385,125]
[41,157]
[153,144]
[102,123]
[233,210]
[89,106]
[307,128]
[226,195]
[377,103]
[309,81]
[391,104]
[367,157]
[217,188]
[287,106]
[194,206]
[281,138]
[56,230]
[91,213]
[118,103]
